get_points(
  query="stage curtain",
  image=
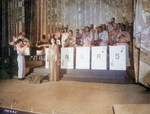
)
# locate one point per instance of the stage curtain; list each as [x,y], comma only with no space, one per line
[141,34]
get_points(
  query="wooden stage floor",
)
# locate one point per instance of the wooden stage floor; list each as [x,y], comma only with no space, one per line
[70,97]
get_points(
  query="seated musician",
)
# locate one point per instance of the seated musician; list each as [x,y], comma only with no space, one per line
[84,29]
[93,32]
[79,37]
[123,38]
[104,27]
[102,37]
[113,34]
[87,37]
[77,31]
[70,41]
[112,25]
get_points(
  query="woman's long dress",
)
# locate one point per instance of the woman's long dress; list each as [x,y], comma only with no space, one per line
[21,61]
[53,63]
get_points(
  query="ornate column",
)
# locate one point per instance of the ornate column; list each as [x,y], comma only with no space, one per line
[42,19]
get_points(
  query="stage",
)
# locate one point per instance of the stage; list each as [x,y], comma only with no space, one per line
[85,75]
[78,91]
[70,97]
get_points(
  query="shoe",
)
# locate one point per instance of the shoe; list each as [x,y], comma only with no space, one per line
[23,78]
[20,78]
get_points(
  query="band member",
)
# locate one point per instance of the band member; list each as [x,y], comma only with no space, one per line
[113,35]
[70,41]
[79,37]
[53,58]
[112,25]
[93,32]
[104,27]
[77,31]
[87,37]
[123,38]
[102,37]
[21,60]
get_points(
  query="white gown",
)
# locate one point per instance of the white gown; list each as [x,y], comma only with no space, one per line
[21,62]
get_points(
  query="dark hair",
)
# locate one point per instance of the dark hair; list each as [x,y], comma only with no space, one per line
[52,38]
[87,27]
[100,27]
[113,18]
[19,40]
[43,36]
[119,25]
[71,31]
[66,29]
[104,25]
[123,29]
[91,25]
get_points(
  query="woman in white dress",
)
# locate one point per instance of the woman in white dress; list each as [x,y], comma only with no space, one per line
[21,60]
